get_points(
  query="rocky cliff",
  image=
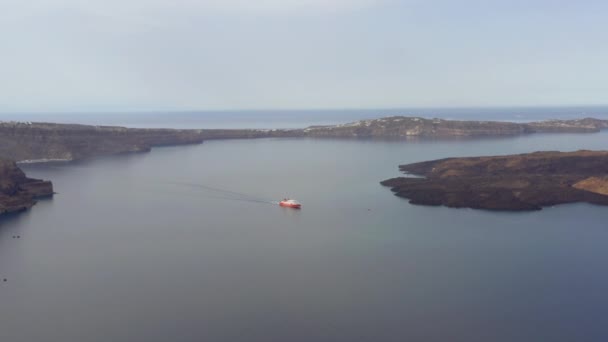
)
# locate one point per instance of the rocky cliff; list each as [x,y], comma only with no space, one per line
[22,141]
[17,192]
[44,141]
[515,182]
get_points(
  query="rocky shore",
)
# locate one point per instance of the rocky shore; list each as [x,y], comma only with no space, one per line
[514,182]
[17,192]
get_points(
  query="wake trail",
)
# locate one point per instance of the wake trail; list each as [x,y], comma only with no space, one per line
[240,196]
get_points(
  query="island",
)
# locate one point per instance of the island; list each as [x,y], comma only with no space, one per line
[512,182]
[17,192]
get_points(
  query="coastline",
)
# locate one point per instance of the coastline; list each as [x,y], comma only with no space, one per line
[38,143]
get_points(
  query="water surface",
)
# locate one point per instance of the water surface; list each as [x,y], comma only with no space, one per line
[127,251]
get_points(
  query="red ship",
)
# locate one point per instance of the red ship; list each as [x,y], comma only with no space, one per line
[289,203]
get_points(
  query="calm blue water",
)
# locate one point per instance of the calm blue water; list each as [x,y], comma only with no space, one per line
[136,248]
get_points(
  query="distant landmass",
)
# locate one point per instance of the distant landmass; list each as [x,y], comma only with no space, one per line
[514,182]
[43,142]
[401,126]
[26,141]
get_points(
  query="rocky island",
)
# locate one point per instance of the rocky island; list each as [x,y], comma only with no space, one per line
[513,182]
[17,192]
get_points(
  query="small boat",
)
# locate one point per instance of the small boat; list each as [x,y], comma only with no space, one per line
[289,203]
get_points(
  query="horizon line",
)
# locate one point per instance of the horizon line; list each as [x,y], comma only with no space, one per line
[145,111]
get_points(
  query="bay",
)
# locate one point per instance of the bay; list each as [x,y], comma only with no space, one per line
[186,244]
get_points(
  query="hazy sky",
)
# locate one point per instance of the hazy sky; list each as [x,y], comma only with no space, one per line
[100,55]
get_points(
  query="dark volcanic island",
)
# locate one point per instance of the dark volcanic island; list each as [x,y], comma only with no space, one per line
[514,182]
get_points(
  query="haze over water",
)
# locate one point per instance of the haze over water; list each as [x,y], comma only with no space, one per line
[138,248]
[304,118]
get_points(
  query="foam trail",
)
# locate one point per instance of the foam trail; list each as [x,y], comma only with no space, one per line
[236,195]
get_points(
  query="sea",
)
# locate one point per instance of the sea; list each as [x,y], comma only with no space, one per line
[187,243]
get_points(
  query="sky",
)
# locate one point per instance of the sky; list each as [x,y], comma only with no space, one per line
[123,55]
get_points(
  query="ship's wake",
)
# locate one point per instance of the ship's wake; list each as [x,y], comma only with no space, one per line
[224,194]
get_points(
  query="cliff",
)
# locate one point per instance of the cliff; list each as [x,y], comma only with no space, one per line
[17,192]
[48,141]
[515,182]
[43,141]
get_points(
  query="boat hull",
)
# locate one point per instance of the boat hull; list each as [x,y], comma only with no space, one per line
[290,205]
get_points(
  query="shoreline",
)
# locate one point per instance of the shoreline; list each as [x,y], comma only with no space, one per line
[43,161]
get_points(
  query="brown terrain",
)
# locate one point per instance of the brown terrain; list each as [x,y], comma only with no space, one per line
[17,192]
[514,182]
